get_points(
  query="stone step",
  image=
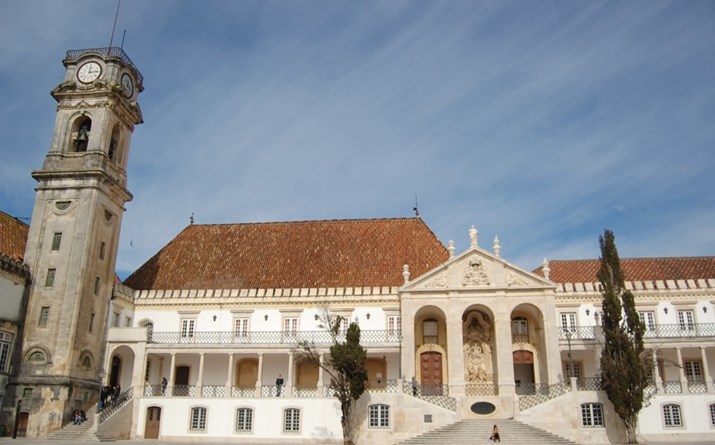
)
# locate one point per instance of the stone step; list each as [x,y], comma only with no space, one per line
[475,431]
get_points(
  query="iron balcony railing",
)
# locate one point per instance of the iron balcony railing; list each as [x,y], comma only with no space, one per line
[114,51]
[652,331]
[268,337]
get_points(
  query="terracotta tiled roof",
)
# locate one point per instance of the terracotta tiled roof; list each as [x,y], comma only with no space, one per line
[13,237]
[306,254]
[634,269]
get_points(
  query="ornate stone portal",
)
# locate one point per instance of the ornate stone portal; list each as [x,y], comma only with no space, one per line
[478,337]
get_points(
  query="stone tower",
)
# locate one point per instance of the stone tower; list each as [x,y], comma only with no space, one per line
[73,239]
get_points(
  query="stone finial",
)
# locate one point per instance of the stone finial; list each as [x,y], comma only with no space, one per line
[545,267]
[450,248]
[473,237]
[497,246]
[406,272]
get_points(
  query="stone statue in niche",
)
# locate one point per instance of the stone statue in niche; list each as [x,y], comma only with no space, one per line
[477,335]
[474,274]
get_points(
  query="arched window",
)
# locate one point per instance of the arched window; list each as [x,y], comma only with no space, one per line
[671,416]
[113,151]
[378,416]
[149,329]
[80,134]
[592,414]
[198,419]
[244,420]
[86,362]
[37,357]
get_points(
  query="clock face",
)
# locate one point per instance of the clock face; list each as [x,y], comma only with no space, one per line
[89,72]
[127,85]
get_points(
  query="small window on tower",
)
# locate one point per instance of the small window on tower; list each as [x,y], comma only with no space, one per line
[50,279]
[56,241]
[102,247]
[44,315]
[97,283]
[91,322]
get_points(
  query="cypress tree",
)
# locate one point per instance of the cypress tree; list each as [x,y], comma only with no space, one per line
[623,372]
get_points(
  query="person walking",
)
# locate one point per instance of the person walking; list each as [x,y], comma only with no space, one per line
[414,386]
[495,434]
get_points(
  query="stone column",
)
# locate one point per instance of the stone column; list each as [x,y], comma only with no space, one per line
[259,380]
[320,375]
[656,373]
[172,375]
[200,383]
[455,356]
[407,349]
[229,375]
[288,387]
[504,355]
[706,371]
[681,367]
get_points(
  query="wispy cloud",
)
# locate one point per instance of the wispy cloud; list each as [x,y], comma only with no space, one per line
[541,124]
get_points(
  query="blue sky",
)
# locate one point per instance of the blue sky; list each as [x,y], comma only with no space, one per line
[542,122]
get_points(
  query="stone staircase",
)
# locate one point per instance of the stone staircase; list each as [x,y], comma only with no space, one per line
[86,432]
[477,431]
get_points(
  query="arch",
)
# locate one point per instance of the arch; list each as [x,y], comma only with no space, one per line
[113,151]
[149,325]
[80,133]
[376,372]
[434,319]
[527,334]
[86,360]
[120,365]
[38,355]
[246,373]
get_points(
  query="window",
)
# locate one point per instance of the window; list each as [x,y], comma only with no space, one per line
[694,371]
[37,357]
[244,420]
[187,327]
[671,416]
[102,248]
[430,331]
[97,282]
[86,362]
[568,321]
[240,327]
[712,414]
[50,279]
[56,241]
[44,316]
[128,322]
[519,327]
[378,416]
[650,371]
[573,369]
[290,326]
[648,319]
[198,419]
[291,420]
[26,393]
[685,320]
[91,322]
[592,414]
[394,324]
[5,342]
[115,320]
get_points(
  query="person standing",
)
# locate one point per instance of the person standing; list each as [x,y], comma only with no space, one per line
[164,382]
[279,384]
[414,386]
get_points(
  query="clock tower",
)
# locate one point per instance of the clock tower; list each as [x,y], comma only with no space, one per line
[73,238]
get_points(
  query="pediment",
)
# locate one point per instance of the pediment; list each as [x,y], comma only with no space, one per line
[476,269]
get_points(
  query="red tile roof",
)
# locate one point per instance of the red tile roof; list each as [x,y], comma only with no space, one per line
[634,269]
[13,237]
[306,254]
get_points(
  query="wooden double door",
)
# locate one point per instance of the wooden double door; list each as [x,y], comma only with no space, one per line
[431,373]
[153,422]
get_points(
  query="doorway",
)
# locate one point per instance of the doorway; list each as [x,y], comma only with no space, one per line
[181,381]
[431,373]
[523,372]
[153,422]
[22,424]
[115,370]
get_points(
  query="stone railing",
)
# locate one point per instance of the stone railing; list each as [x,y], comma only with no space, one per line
[481,389]
[532,394]
[652,331]
[367,337]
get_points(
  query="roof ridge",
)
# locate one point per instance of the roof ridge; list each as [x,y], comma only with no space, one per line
[335,220]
